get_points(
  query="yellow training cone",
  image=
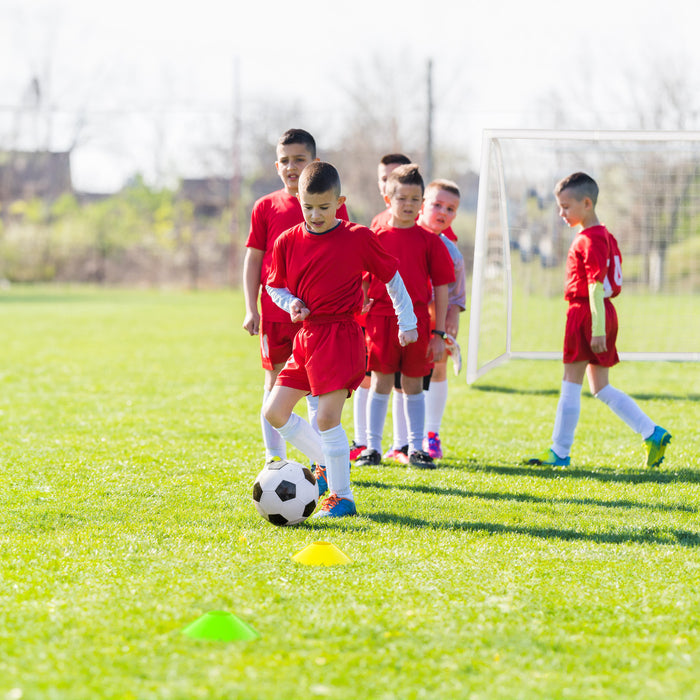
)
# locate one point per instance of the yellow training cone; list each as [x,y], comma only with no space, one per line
[321,554]
[220,626]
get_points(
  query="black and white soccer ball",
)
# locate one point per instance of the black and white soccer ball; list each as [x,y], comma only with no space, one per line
[285,492]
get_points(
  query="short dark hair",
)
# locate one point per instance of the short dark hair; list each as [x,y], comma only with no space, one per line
[581,186]
[407,174]
[394,159]
[319,177]
[299,136]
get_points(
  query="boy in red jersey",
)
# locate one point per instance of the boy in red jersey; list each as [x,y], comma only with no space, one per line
[593,276]
[316,276]
[439,210]
[423,260]
[273,214]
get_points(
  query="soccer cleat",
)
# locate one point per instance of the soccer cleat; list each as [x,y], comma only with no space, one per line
[548,458]
[356,449]
[655,446]
[421,459]
[335,507]
[368,458]
[321,480]
[273,459]
[400,456]
[432,446]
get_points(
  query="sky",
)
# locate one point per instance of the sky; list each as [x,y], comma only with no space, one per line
[116,77]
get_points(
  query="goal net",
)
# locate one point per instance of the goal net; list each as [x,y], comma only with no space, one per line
[649,200]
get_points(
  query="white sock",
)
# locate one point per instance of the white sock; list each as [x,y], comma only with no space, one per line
[312,410]
[568,411]
[415,417]
[359,414]
[296,431]
[398,420]
[377,405]
[336,453]
[625,407]
[273,441]
[435,402]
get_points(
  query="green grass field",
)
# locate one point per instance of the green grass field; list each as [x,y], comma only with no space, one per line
[129,443]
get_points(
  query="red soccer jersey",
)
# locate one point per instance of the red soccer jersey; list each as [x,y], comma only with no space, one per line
[594,256]
[272,215]
[423,258]
[324,270]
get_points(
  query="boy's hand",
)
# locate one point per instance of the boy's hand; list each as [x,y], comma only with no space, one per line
[598,344]
[298,311]
[408,337]
[251,322]
[436,348]
[366,306]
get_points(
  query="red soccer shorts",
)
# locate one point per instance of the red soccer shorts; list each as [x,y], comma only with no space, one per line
[327,356]
[276,340]
[385,354]
[577,338]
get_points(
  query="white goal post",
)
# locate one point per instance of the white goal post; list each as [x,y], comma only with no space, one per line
[650,201]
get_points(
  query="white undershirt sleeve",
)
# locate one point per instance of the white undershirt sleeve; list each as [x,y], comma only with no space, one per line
[281,296]
[403,306]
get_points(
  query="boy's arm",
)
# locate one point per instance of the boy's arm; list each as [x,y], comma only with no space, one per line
[436,346]
[252,267]
[596,296]
[403,306]
[294,306]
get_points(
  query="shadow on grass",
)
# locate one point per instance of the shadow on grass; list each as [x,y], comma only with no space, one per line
[555,392]
[645,536]
[526,497]
[653,476]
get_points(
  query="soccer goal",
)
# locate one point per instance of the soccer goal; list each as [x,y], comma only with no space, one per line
[649,200]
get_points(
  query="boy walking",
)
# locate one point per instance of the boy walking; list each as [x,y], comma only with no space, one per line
[273,214]
[423,260]
[593,277]
[315,277]
[436,215]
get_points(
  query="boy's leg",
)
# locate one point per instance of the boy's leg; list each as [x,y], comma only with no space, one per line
[435,403]
[293,428]
[359,415]
[566,419]
[624,407]
[336,453]
[398,419]
[415,415]
[312,410]
[273,441]
[377,405]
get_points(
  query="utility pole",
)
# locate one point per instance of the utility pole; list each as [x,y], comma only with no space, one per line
[235,189]
[429,125]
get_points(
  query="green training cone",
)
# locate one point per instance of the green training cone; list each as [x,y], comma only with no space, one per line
[220,626]
[321,554]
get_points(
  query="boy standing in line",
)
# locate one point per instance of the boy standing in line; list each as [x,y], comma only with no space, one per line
[437,214]
[423,260]
[316,278]
[273,214]
[387,164]
[593,276]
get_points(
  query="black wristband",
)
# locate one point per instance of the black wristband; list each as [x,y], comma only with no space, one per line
[437,332]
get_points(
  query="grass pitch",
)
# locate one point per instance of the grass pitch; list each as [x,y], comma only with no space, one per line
[129,443]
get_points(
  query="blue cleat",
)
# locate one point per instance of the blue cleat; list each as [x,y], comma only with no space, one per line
[548,458]
[321,480]
[655,446]
[336,507]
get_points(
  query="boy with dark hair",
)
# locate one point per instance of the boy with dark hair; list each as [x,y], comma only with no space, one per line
[593,277]
[423,260]
[315,277]
[273,214]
